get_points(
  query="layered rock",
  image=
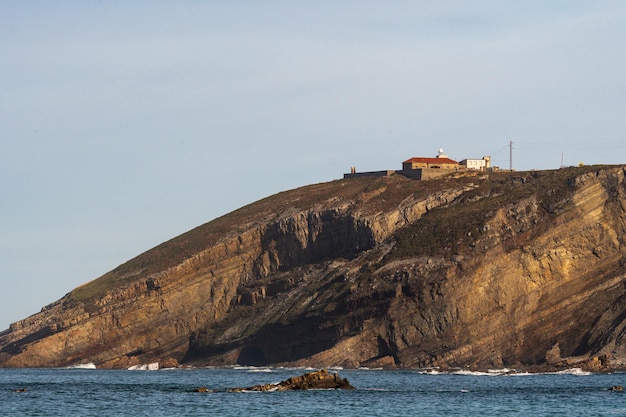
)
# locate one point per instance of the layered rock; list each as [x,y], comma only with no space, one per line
[321,379]
[147,309]
[474,270]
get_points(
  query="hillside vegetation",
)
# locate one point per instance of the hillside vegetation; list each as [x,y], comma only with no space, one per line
[472,269]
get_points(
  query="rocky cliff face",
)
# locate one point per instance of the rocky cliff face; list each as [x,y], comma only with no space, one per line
[474,270]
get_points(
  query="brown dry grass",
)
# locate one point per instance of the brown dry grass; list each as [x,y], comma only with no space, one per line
[441,230]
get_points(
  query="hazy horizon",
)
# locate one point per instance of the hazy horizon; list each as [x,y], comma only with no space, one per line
[124,124]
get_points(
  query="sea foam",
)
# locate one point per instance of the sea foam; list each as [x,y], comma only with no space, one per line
[89,365]
[573,371]
[251,368]
[147,367]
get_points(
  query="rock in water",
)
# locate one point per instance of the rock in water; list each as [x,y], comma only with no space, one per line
[321,379]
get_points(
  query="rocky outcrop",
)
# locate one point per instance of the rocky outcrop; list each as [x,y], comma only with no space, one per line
[147,309]
[475,270]
[321,379]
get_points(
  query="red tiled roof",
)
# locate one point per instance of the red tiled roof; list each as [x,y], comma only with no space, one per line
[431,161]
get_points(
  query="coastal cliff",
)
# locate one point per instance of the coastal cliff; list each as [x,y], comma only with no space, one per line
[472,269]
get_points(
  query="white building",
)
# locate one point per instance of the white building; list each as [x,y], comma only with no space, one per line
[477,164]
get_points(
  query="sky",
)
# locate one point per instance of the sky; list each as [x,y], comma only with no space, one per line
[126,123]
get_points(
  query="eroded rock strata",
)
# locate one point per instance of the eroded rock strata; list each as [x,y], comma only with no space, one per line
[479,270]
[321,379]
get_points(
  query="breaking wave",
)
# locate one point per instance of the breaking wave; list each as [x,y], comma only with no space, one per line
[503,372]
[147,367]
[89,365]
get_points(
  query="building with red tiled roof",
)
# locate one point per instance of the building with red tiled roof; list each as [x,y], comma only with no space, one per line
[424,168]
[430,163]
[441,161]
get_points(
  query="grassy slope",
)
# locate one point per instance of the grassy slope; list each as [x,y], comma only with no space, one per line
[449,231]
[438,231]
[174,251]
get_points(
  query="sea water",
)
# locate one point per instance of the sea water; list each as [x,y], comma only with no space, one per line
[95,392]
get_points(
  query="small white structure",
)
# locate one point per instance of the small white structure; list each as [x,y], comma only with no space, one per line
[477,164]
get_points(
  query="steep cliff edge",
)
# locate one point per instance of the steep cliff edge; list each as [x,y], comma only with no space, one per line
[472,270]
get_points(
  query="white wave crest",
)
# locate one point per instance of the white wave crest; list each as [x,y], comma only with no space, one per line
[521,374]
[260,370]
[499,371]
[474,373]
[430,371]
[503,372]
[89,365]
[573,371]
[251,368]
[147,367]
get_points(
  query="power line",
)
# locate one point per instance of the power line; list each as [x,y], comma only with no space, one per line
[572,146]
[540,151]
[500,150]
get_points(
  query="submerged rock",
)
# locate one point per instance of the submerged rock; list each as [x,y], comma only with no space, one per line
[321,379]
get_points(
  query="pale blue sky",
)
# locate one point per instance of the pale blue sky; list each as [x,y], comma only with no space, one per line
[126,123]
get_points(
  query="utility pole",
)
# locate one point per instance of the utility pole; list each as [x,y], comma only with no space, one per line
[511,155]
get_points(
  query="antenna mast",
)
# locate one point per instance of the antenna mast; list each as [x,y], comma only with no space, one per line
[511,155]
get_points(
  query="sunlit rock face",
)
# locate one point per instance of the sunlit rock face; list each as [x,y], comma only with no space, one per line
[475,269]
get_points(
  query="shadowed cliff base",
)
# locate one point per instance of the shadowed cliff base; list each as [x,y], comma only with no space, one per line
[478,270]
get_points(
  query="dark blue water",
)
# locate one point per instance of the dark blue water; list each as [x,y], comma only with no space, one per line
[81,392]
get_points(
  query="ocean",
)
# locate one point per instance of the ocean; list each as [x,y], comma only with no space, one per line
[95,392]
